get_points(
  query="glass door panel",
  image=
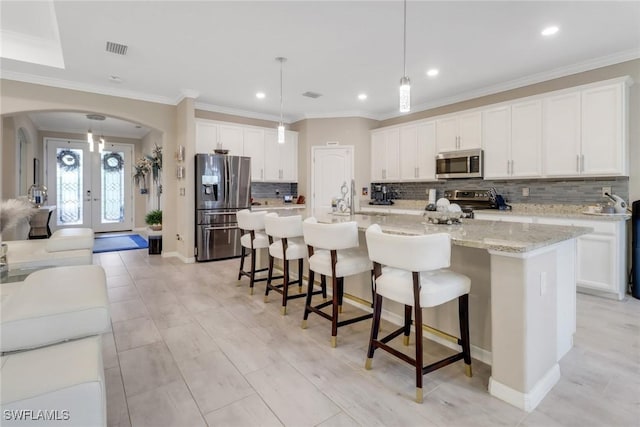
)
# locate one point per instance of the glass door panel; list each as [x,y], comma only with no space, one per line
[112,207]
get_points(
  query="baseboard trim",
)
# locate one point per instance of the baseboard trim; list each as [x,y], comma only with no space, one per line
[178,255]
[526,401]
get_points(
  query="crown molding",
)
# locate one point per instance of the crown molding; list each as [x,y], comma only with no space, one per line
[83,87]
[341,114]
[242,113]
[580,67]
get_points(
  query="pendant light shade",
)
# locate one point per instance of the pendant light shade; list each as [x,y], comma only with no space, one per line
[405,83]
[281,124]
[101,144]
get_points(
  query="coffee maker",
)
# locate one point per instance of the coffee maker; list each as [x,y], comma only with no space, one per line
[381,195]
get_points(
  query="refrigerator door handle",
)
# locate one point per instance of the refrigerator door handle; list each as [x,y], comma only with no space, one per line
[233,227]
[218,213]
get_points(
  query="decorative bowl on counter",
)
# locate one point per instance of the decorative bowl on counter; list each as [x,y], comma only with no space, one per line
[448,218]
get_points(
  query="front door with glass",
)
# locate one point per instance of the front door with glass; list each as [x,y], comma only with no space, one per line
[89,189]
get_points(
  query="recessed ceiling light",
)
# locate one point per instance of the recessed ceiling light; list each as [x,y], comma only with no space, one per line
[260,95]
[549,31]
[362,96]
[433,72]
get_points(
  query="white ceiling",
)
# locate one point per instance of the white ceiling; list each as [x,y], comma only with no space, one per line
[223,52]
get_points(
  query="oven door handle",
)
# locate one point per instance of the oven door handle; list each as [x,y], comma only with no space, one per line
[218,213]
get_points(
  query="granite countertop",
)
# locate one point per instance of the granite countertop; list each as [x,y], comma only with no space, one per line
[519,209]
[491,235]
[274,206]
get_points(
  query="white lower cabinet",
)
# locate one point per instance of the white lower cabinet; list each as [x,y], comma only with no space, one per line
[601,254]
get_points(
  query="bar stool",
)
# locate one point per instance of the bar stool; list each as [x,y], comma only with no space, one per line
[289,247]
[415,274]
[333,251]
[253,238]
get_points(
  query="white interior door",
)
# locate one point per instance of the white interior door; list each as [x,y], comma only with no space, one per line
[331,167]
[89,189]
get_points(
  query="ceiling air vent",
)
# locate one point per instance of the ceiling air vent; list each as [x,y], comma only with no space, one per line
[313,95]
[117,48]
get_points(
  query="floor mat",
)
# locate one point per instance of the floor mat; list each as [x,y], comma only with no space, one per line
[119,243]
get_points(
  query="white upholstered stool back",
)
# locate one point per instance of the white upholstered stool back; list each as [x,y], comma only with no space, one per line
[255,238]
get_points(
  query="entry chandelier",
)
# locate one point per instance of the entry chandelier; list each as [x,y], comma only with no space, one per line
[98,117]
[281,124]
[405,83]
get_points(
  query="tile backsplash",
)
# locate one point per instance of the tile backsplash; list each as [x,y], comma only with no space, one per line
[268,190]
[567,191]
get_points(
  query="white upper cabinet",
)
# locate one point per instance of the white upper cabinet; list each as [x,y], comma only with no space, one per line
[385,160]
[526,139]
[603,135]
[496,131]
[512,136]
[206,136]
[254,148]
[561,134]
[426,153]
[231,138]
[408,152]
[459,132]
[280,160]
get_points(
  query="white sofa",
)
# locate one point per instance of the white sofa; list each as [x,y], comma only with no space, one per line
[69,246]
[57,316]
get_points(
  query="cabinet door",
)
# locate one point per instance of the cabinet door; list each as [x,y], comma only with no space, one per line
[206,137]
[231,138]
[393,155]
[596,260]
[378,154]
[526,139]
[561,135]
[470,131]
[254,147]
[496,129]
[289,157]
[602,131]
[447,134]
[408,152]
[271,156]
[427,150]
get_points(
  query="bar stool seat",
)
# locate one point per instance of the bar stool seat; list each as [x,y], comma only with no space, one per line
[333,251]
[254,238]
[296,249]
[412,270]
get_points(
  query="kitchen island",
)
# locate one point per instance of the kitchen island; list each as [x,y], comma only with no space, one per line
[522,299]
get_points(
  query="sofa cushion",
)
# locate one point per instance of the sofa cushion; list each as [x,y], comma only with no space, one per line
[66,380]
[69,239]
[55,305]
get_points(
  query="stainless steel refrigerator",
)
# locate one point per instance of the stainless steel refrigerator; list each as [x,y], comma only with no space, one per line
[223,187]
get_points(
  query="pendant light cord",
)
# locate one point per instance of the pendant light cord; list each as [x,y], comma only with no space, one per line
[404,41]
[281,61]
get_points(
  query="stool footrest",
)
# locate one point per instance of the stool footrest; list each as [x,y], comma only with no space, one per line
[392,335]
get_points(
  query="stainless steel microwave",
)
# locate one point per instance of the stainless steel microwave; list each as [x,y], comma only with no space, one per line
[459,164]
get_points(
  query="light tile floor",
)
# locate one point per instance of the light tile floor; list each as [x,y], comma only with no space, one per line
[191,347]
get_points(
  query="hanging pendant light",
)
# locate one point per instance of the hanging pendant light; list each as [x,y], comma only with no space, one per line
[90,140]
[405,83]
[281,124]
[101,144]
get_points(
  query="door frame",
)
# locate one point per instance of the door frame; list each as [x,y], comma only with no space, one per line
[317,148]
[94,168]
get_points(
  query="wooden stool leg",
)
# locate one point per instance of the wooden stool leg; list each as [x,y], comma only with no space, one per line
[285,286]
[253,270]
[375,327]
[242,255]
[323,284]
[418,317]
[307,303]
[300,266]
[463,314]
[407,324]
[334,316]
[340,293]
[269,279]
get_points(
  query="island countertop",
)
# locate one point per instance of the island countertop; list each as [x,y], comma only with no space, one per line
[491,235]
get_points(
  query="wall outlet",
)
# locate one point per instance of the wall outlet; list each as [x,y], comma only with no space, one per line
[525,191]
[182,191]
[277,192]
[606,190]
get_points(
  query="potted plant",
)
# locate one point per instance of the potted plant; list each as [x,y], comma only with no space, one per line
[154,219]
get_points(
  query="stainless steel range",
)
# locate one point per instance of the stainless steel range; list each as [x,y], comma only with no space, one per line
[470,200]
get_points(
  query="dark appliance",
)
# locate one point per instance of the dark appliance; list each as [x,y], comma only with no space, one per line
[469,200]
[381,195]
[460,164]
[223,187]
[635,249]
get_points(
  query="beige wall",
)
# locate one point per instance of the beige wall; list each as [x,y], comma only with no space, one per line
[186,127]
[353,131]
[629,68]
[210,115]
